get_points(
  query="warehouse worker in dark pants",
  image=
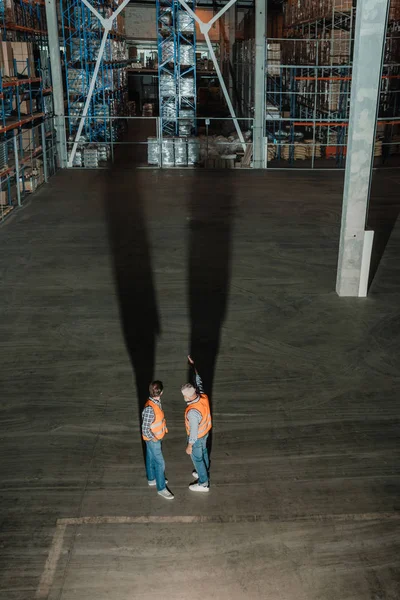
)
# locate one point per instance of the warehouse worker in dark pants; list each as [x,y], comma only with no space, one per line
[198,425]
[154,428]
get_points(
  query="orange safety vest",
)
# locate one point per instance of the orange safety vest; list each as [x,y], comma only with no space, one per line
[159,425]
[203,406]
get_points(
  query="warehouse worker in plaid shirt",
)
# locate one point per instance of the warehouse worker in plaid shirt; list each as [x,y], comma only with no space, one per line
[198,425]
[154,428]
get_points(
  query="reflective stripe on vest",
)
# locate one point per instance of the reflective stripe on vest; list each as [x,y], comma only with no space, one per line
[159,425]
[203,406]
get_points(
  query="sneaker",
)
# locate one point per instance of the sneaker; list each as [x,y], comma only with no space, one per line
[166,494]
[195,475]
[197,487]
[153,482]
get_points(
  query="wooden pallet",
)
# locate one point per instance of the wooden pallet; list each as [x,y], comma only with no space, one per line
[4,211]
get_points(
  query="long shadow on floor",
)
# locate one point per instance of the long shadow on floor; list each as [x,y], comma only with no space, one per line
[211,210]
[132,268]
[384,210]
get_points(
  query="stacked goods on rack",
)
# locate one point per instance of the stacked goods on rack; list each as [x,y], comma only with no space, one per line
[82,33]
[33,177]
[31,16]
[7,59]
[25,101]
[394,11]
[176,35]
[295,151]
[311,10]
[274,58]
[188,151]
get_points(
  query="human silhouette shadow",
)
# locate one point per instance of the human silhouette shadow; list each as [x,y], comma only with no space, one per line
[211,210]
[132,266]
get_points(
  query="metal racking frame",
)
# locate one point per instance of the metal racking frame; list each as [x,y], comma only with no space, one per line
[308,89]
[176,39]
[95,69]
[28,154]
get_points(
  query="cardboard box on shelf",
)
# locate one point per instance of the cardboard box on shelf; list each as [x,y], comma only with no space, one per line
[133,52]
[7,65]
[23,54]
[9,11]
[6,197]
[25,107]
[30,185]
[30,139]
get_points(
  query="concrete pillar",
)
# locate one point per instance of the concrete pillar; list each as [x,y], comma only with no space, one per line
[370,31]
[57,82]
[259,86]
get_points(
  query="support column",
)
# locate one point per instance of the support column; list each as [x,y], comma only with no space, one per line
[259,87]
[232,39]
[370,32]
[57,82]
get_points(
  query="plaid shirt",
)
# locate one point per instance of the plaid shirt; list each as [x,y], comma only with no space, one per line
[148,417]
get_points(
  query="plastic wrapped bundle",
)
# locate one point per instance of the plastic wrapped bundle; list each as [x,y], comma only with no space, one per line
[77,81]
[167,85]
[181,154]
[193,150]
[168,153]
[90,157]
[187,113]
[169,111]
[167,52]
[186,23]
[166,18]
[77,162]
[152,151]
[186,55]
[221,144]
[103,153]
[187,87]
[185,128]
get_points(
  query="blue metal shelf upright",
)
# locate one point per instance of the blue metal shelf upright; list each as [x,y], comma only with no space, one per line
[82,32]
[27,142]
[176,34]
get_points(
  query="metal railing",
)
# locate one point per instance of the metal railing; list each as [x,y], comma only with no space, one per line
[215,145]
[27,160]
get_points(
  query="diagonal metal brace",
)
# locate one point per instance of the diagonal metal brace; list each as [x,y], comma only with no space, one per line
[107,25]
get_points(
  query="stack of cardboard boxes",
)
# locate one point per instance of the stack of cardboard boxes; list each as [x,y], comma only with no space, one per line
[7,59]
[33,177]
[30,139]
[22,54]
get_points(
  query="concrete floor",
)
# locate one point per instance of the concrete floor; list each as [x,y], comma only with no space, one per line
[109,278]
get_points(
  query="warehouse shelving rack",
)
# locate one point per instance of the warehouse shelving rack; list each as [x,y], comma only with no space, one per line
[81,38]
[27,137]
[176,38]
[308,88]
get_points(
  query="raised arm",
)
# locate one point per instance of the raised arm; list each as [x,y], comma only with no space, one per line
[198,379]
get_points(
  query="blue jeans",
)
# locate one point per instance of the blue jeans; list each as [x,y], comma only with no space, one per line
[200,459]
[155,465]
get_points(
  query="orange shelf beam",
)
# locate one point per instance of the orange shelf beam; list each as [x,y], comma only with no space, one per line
[21,122]
[336,78]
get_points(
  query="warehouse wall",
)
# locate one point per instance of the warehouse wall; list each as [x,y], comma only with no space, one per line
[140,23]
